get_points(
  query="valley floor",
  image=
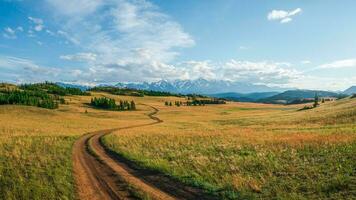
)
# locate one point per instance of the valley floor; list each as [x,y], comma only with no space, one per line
[248,151]
[232,151]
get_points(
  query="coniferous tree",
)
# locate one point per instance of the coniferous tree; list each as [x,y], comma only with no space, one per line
[316,100]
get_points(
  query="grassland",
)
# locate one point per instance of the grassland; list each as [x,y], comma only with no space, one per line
[234,150]
[36,145]
[251,151]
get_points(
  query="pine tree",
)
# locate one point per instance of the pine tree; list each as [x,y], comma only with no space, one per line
[316,100]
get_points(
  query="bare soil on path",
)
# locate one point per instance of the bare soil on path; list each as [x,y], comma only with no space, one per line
[101,174]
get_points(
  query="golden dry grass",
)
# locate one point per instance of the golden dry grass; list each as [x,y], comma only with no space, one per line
[36,145]
[235,150]
[246,150]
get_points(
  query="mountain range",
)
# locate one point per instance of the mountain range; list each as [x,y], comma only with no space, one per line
[201,86]
[351,90]
[235,91]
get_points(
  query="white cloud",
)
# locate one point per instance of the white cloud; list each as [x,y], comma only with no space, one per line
[30,33]
[81,57]
[75,7]
[38,23]
[296,11]
[243,48]
[258,72]
[24,70]
[286,20]
[36,20]
[19,28]
[322,83]
[9,33]
[68,37]
[9,30]
[347,63]
[199,69]
[270,73]
[127,36]
[39,27]
[305,62]
[50,32]
[283,16]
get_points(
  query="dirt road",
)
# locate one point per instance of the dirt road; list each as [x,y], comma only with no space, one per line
[101,174]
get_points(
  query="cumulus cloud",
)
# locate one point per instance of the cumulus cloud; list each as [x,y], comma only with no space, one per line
[124,35]
[259,72]
[283,16]
[199,69]
[270,73]
[128,40]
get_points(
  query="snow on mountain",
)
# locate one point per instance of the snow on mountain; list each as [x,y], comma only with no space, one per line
[201,86]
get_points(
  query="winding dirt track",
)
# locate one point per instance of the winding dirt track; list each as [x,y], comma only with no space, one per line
[101,174]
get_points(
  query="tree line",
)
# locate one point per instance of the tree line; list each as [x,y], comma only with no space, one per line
[29,98]
[45,95]
[110,104]
[195,102]
[52,88]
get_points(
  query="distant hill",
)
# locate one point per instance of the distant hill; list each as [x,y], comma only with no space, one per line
[291,96]
[250,97]
[350,91]
[201,86]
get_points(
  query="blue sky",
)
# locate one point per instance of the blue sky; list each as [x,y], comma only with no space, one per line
[304,44]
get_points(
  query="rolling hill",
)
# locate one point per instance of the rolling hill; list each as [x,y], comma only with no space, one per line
[351,90]
[250,97]
[290,96]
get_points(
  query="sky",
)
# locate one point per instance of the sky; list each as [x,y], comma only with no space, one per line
[296,43]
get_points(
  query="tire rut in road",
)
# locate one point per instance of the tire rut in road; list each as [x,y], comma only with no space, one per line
[103,174]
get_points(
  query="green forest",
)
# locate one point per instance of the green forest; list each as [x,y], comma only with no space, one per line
[45,95]
[110,104]
[52,88]
[195,102]
[29,98]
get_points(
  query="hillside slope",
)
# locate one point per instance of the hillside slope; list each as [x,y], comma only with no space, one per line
[293,95]
[351,90]
[250,97]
